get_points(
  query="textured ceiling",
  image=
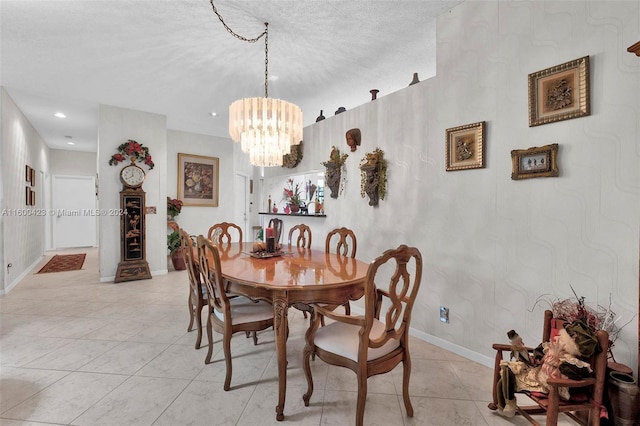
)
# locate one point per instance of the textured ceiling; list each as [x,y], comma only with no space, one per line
[174,57]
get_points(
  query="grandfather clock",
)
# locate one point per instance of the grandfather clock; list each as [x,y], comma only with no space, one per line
[133,264]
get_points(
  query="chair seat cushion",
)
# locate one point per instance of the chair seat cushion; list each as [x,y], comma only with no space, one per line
[343,339]
[244,310]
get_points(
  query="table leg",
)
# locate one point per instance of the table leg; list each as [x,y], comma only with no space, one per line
[281,324]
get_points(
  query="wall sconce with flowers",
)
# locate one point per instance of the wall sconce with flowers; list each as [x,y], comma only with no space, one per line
[373,176]
[333,171]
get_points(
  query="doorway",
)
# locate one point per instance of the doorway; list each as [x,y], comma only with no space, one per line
[74,212]
[241,203]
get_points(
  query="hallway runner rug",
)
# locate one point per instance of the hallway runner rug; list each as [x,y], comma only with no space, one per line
[64,262]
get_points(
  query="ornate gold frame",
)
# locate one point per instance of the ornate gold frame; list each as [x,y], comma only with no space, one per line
[206,170]
[560,93]
[464,146]
[535,162]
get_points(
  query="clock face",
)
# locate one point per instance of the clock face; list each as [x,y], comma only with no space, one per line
[132,175]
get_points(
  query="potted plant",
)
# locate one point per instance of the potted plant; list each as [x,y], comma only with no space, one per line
[292,196]
[175,251]
[174,207]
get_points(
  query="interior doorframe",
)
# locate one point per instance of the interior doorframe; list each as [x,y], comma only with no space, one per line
[247,211]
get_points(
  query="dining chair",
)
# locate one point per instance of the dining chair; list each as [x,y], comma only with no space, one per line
[225,233]
[277,226]
[228,315]
[197,290]
[346,245]
[303,239]
[302,234]
[377,341]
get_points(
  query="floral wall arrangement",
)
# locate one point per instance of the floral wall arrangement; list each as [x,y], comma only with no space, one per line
[333,171]
[134,151]
[373,176]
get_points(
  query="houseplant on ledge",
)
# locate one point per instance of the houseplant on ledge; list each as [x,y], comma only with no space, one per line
[292,196]
[175,251]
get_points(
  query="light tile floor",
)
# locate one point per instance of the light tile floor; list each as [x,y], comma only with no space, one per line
[74,351]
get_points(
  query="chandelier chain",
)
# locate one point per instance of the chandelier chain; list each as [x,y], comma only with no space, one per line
[264,34]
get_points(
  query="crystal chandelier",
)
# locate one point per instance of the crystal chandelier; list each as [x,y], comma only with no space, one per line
[265,127]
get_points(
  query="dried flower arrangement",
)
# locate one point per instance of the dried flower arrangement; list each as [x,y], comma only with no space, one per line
[373,176]
[598,318]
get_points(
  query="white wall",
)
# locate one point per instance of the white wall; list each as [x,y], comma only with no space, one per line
[21,234]
[195,219]
[116,126]
[72,163]
[493,246]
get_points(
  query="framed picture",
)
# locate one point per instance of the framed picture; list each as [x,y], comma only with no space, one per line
[559,93]
[535,162]
[464,147]
[33,177]
[32,197]
[27,196]
[198,180]
[27,175]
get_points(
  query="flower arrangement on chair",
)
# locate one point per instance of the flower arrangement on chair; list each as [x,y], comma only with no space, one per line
[134,151]
[174,207]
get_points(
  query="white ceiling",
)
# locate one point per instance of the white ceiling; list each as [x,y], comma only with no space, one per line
[174,57]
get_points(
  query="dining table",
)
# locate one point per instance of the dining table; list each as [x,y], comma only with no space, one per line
[291,276]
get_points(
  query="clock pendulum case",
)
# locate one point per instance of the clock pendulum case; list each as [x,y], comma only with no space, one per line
[133,264]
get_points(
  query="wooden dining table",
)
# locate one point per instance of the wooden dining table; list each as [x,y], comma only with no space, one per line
[298,277]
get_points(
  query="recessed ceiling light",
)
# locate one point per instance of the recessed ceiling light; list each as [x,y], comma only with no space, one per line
[273,77]
[71,143]
[213,114]
[60,115]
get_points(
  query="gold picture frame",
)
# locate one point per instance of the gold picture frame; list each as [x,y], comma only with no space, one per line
[198,180]
[27,174]
[464,146]
[560,93]
[535,162]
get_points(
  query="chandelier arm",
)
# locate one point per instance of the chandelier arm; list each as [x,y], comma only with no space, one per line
[266,59]
[230,31]
[264,34]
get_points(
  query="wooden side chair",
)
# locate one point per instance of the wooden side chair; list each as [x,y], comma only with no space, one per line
[378,341]
[586,394]
[277,226]
[228,315]
[346,245]
[225,233]
[346,242]
[300,236]
[197,290]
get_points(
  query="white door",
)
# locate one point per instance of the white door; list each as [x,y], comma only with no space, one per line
[74,208]
[241,205]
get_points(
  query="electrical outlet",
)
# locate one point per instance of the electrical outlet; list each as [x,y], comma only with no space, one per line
[444,314]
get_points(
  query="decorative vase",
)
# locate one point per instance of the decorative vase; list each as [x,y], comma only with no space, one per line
[320,117]
[374,94]
[415,79]
[624,396]
[274,209]
[340,110]
[294,208]
[178,260]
